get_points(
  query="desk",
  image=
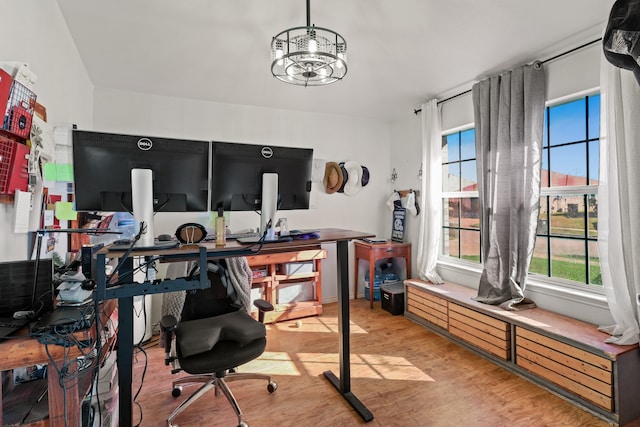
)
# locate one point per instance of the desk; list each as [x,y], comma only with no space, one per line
[205,251]
[26,351]
[375,251]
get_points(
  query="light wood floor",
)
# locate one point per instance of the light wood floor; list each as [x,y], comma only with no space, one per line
[406,375]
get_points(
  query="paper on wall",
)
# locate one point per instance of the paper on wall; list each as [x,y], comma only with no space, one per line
[48,218]
[317,170]
[25,76]
[64,211]
[22,206]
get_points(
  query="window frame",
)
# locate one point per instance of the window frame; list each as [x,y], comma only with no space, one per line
[553,286]
[457,195]
[583,190]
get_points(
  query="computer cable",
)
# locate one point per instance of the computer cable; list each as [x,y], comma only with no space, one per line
[65,370]
[95,374]
[130,273]
[42,395]
[144,373]
[100,328]
[109,326]
[260,241]
[125,256]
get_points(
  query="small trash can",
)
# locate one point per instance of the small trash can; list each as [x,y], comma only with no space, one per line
[392,296]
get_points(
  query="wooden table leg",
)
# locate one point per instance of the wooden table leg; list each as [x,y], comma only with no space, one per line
[355,282]
[58,402]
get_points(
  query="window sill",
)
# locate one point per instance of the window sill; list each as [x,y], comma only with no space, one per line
[581,304]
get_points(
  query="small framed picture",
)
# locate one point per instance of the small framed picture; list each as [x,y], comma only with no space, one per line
[399,221]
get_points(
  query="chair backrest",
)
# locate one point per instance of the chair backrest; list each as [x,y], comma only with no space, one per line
[209,302]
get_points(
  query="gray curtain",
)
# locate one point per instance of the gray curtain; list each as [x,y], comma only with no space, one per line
[508,113]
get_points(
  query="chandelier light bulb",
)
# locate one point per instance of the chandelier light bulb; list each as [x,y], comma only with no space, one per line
[313,46]
[279,55]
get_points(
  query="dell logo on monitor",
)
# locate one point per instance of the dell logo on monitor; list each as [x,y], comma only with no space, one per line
[145,144]
[267,152]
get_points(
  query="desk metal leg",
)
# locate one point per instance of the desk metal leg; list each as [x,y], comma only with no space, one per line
[125,359]
[343,384]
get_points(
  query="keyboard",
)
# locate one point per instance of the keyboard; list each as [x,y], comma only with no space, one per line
[245,235]
[256,239]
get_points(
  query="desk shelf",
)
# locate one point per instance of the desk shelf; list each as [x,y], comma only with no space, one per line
[275,283]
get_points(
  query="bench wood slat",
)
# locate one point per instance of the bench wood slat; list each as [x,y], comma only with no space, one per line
[588,394]
[480,322]
[567,349]
[601,387]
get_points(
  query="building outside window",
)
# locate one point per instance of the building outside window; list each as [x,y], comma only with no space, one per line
[461,214]
[567,233]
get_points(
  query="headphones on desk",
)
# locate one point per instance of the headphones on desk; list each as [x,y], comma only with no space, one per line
[191,232]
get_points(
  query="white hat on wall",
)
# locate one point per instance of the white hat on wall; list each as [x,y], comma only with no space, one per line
[354,180]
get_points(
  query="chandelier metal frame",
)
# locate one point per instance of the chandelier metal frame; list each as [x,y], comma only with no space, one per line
[309,55]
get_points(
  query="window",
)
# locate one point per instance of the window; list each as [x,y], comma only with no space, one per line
[567,232]
[461,212]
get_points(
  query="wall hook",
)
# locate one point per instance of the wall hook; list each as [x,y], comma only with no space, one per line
[394,176]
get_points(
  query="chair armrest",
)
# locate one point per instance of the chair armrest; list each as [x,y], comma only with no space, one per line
[262,306]
[168,325]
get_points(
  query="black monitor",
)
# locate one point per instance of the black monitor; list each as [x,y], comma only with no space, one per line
[22,288]
[243,178]
[140,174]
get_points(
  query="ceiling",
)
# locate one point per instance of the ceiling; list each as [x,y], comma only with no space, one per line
[400,53]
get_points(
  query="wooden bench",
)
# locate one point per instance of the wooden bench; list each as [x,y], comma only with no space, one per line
[564,355]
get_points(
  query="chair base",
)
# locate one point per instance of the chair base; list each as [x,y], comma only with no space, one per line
[219,383]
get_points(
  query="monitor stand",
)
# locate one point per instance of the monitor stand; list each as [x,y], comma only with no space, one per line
[142,203]
[269,200]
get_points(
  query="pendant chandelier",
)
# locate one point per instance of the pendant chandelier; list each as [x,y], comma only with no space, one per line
[309,56]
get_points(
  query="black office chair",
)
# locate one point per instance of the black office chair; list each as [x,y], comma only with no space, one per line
[212,339]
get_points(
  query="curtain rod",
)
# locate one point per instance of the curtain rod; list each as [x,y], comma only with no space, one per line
[560,55]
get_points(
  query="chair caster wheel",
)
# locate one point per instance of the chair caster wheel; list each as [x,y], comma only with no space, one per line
[176,391]
[243,424]
[272,386]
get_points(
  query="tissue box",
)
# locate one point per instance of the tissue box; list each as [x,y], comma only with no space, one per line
[292,268]
[295,292]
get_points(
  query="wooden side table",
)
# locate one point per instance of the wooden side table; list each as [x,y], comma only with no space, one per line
[372,252]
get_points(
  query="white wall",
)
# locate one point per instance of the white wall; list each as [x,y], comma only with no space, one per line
[34,32]
[406,158]
[567,75]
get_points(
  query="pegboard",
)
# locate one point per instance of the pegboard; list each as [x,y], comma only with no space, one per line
[14,160]
[19,110]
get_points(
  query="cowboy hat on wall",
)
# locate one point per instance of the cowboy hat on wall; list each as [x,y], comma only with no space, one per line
[345,177]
